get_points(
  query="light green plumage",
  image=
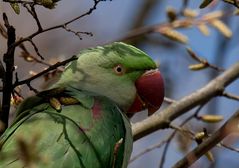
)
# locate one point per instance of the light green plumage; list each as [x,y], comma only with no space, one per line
[85,134]
[94,70]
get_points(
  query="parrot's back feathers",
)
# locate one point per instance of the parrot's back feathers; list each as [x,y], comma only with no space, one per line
[83,134]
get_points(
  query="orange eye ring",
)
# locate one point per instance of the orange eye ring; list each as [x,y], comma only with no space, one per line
[119,69]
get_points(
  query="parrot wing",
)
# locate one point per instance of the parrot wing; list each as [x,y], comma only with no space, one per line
[92,133]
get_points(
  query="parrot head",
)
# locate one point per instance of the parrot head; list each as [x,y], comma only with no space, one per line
[120,72]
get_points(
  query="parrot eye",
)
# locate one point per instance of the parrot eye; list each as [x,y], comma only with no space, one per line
[119,69]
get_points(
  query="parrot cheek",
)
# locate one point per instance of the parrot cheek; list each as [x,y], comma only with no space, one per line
[150,92]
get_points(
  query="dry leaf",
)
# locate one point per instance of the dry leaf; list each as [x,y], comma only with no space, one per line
[213,15]
[203,29]
[221,27]
[196,67]
[190,13]
[55,103]
[199,138]
[182,24]
[209,156]
[68,100]
[174,35]
[211,118]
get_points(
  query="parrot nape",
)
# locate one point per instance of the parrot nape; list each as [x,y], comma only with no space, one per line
[81,120]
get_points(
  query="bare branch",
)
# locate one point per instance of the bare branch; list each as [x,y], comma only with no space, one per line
[174,133]
[230,96]
[96,2]
[8,58]
[32,11]
[19,1]
[162,120]
[36,49]
[232,2]
[229,147]
[29,57]
[78,33]
[25,52]
[229,127]
[52,67]
[167,140]
[182,23]
[158,145]
[203,61]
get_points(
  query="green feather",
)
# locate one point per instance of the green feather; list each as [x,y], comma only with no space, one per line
[72,138]
[93,132]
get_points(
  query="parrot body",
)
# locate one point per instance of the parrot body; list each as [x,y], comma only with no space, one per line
[81,122]
[74,136]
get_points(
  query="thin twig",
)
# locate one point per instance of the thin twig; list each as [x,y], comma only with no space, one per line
[167,140]
[180,23]
[26,55]
[52,67]
[32,88]
[78,33]
[229,127]
[96,2]
[20,2]
[195,114]
[158,145]
[3,32]
[36,49]
[32,11]
[203,61]
[229,147]
[182,130]
[230,96]
[232,2]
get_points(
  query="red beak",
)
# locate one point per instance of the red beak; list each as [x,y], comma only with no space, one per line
[150,92]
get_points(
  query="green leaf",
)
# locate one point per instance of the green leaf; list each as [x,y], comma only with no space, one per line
[205,3]
[15,7]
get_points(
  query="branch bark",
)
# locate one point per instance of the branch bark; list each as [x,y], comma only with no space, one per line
[229,127]
[8,59]
[162,120]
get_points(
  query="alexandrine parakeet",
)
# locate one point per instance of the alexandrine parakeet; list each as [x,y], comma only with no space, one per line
[81,121]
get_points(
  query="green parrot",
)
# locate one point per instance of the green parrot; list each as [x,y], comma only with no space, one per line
[81,120]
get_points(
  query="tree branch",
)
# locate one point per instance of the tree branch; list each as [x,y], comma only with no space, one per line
[162,120]
[8,58]
[180,23]
[50,68]
[41,30]
[229,127]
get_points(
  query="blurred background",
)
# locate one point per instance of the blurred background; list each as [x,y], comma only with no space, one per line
[116,20]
